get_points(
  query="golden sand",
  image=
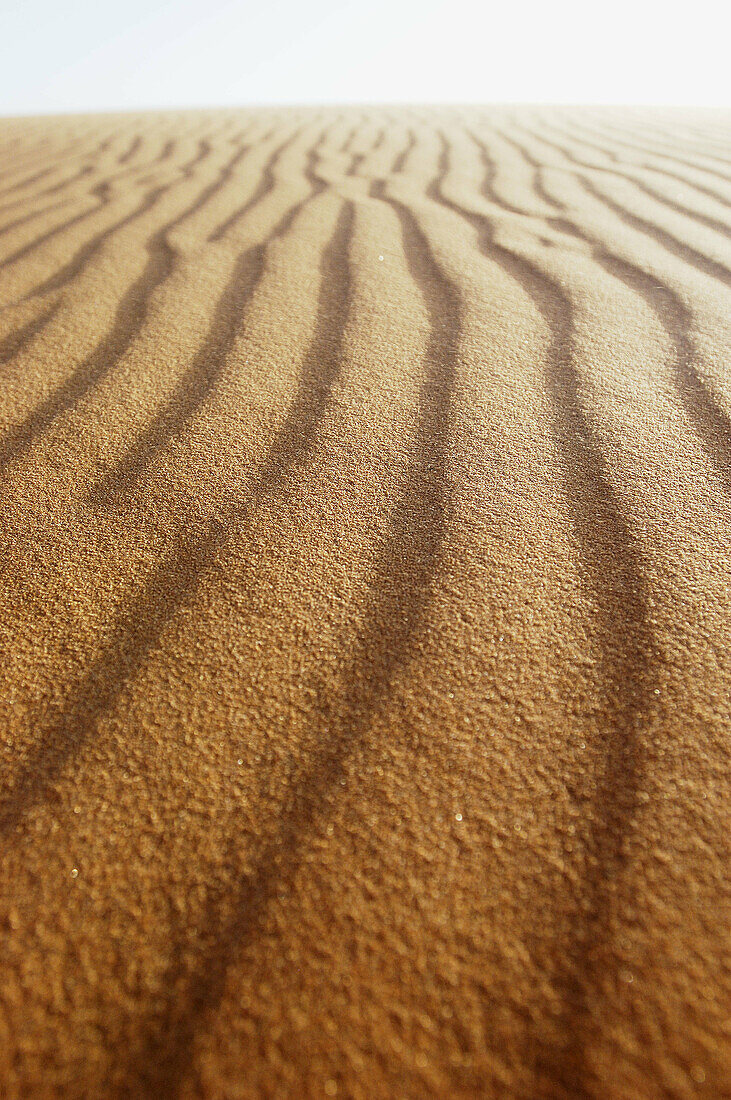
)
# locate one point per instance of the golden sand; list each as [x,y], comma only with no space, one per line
[366,557]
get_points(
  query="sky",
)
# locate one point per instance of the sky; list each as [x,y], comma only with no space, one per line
[85,55]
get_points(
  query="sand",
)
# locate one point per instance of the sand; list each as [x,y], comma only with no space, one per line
[366,556]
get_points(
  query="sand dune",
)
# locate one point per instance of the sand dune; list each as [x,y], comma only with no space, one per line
[366,557]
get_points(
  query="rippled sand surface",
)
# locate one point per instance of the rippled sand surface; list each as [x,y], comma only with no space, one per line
[366,624]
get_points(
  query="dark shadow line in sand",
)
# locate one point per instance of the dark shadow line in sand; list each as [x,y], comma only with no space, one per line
[265,186]
[126,650]
[710,420]
[29,216]
[400,589]
[487,186]
[127,156]
[345,144]
[488,183]
[129,318]
[398,165]
[14,343]
[171,583]
[166,152]
[708,140]
[598,139]
[624,137]
[673,244]
[99,191]
[87,170]
[537,168]
[665,239]
[102,192]
[614,576]
[27,181]
[198,381]
[380,138]
[138,630]
[677,207]
[78,262]
[167,1046]
[356,159]
[321,365]
[707,191]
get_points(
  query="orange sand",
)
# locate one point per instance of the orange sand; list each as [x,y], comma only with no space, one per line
[366,557]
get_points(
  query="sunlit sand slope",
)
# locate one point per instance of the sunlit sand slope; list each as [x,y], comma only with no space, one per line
[366,558]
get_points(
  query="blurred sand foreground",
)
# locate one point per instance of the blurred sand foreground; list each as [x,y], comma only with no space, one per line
[365,618]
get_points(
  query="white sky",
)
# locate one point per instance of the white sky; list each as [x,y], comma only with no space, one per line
[73,55]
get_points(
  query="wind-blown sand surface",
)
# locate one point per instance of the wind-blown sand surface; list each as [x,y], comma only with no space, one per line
[366,558]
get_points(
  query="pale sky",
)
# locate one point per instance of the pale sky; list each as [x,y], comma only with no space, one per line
[80,55]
